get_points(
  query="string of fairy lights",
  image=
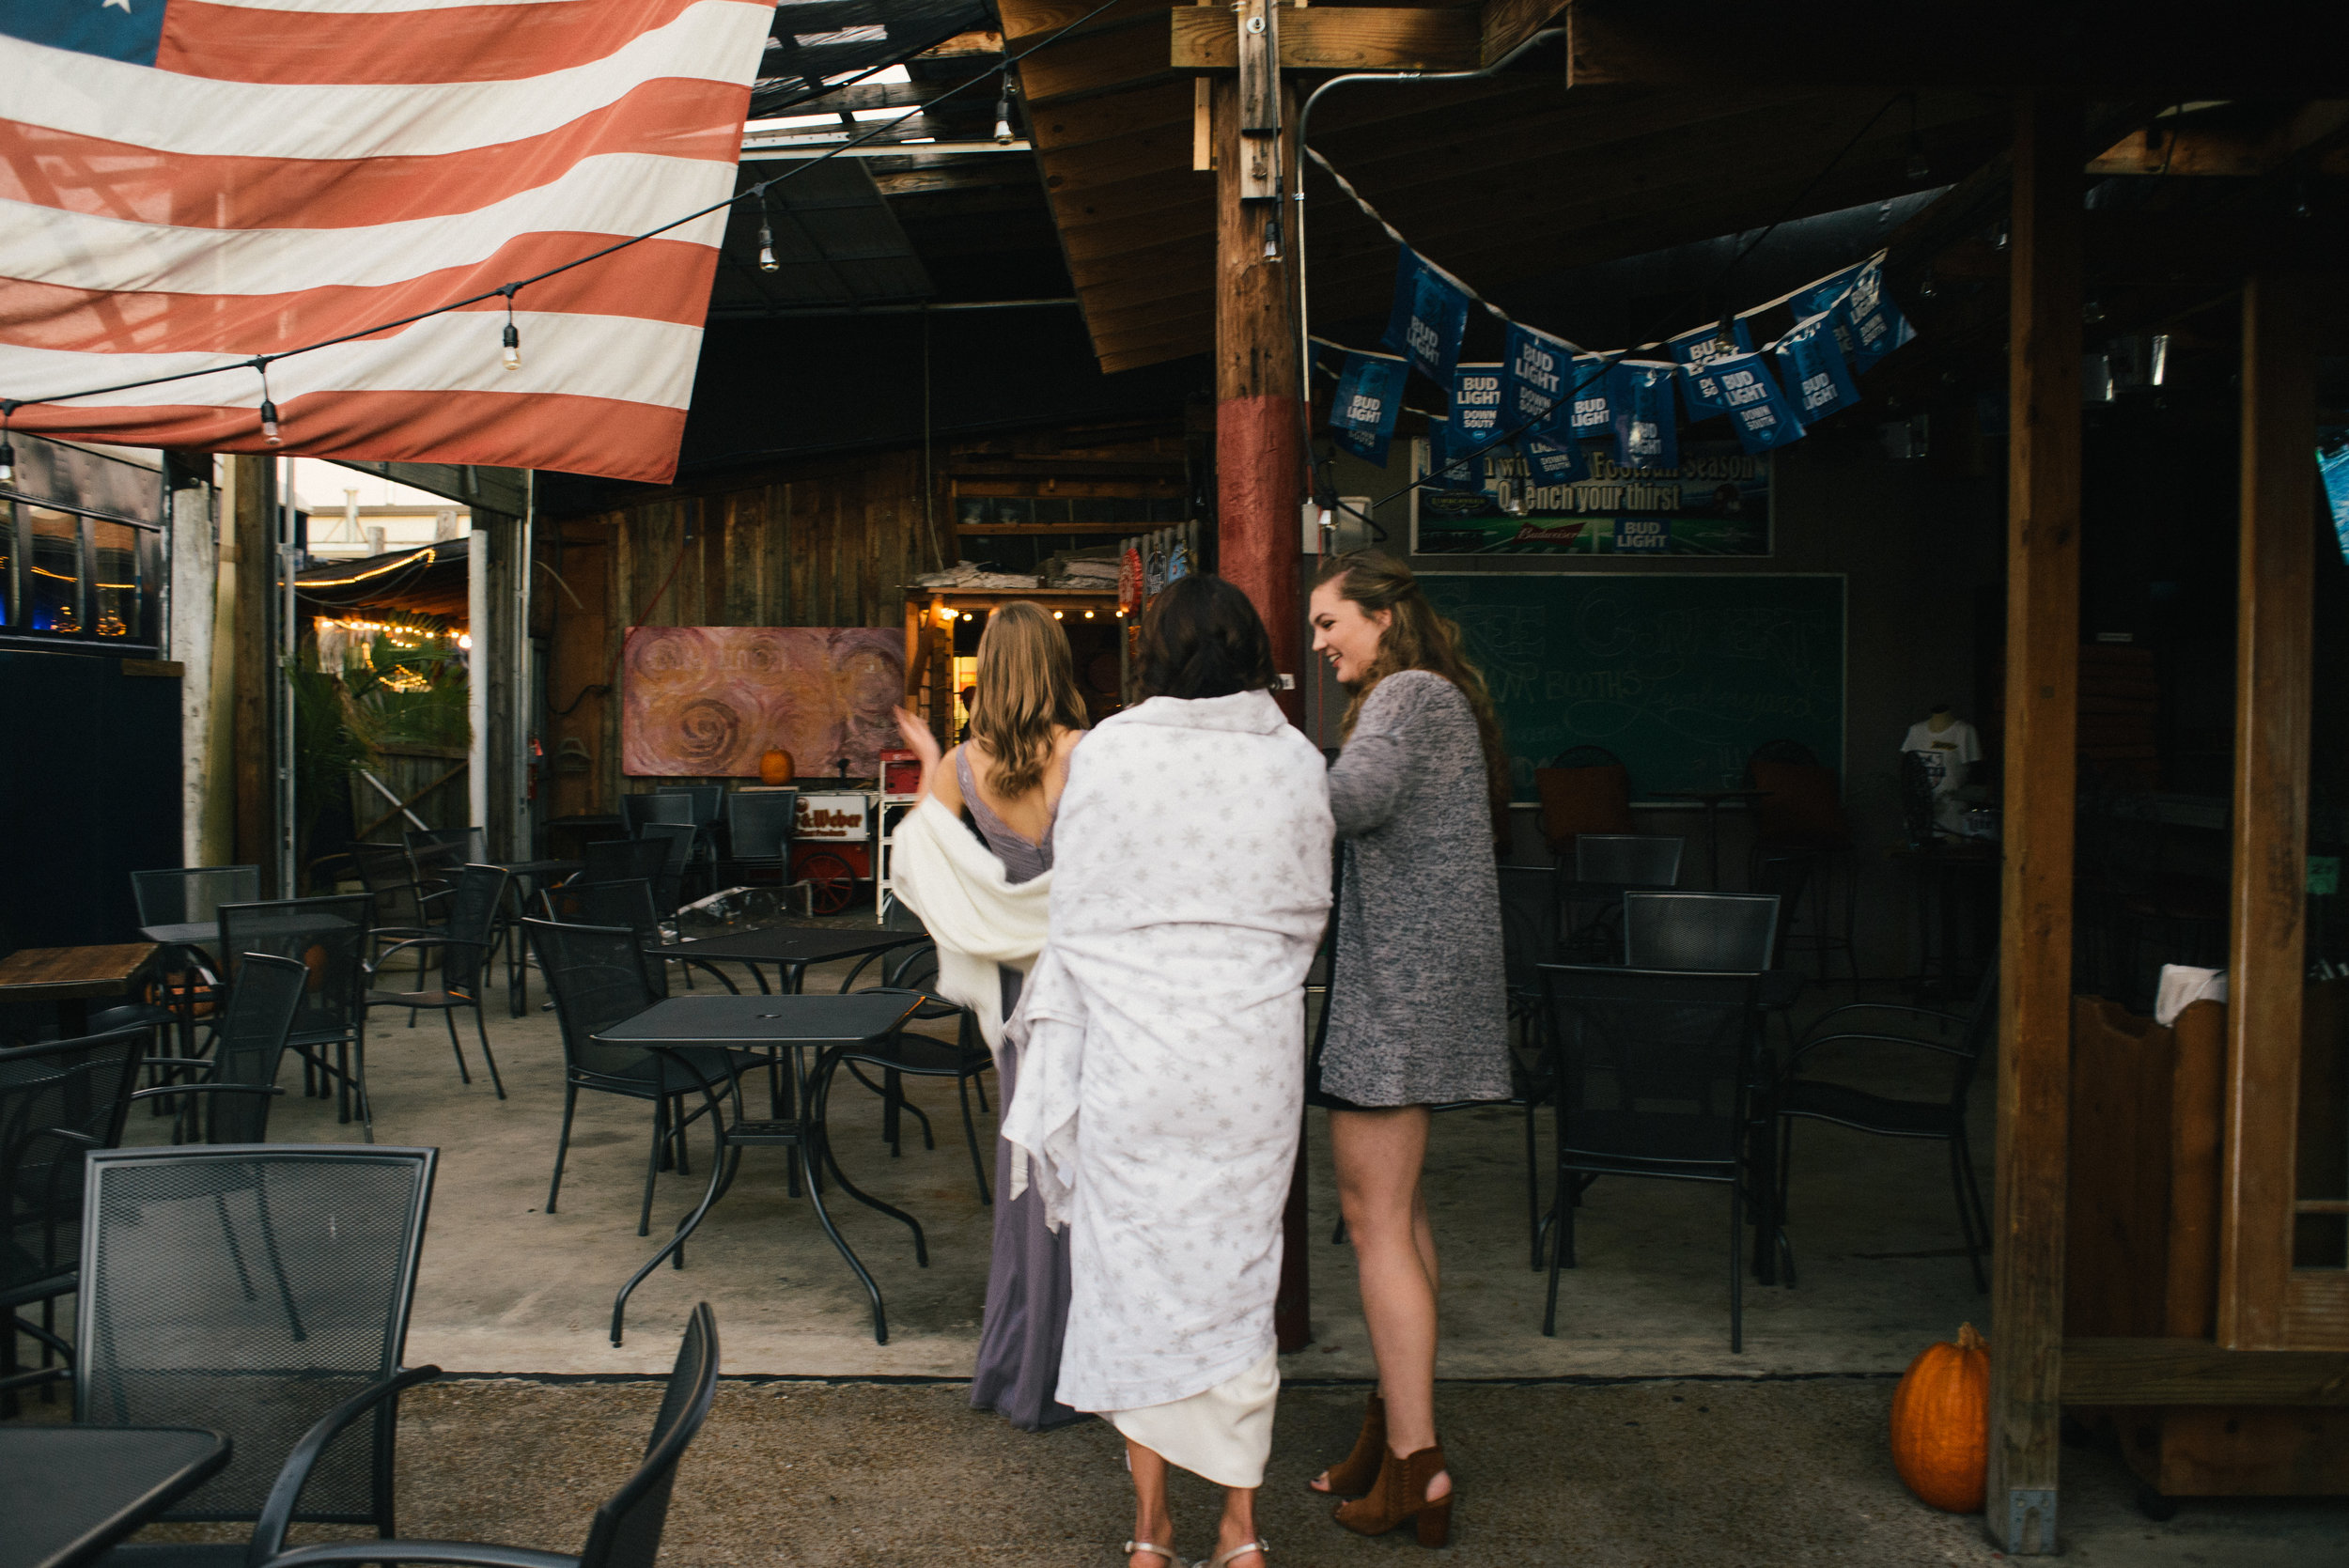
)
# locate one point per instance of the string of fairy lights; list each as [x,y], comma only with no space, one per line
[510,349]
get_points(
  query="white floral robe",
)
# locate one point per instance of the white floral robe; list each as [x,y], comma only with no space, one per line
[1162,1079]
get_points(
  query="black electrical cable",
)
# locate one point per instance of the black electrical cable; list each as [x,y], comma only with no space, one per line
[262,362]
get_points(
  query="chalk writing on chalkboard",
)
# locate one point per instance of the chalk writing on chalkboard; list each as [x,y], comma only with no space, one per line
[1681,675]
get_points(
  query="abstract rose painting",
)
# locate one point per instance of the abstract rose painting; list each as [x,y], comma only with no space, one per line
[708,701]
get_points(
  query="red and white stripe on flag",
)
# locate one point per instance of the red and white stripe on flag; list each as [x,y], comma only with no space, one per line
[188,183]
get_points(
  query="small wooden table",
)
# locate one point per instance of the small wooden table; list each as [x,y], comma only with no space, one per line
[73,977]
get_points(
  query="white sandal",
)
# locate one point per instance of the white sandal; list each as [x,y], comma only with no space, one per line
[1170,1558]
[1221,1559]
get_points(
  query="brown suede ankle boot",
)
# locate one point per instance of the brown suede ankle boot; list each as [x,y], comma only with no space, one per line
[1400,1496]
[1358,1472]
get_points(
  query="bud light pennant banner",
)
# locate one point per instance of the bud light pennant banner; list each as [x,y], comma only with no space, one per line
[1760,412]
[1430,313]
[1453,463]
[1867,324]
[1558,464]
[1812,366]
[1534,381]
[1640,395]
[1587,396]
[1370,396]
[1717,503]
[2332,465]
[1476,402]
[1697,350]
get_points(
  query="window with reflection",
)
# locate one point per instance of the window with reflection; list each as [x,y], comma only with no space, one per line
[75,579]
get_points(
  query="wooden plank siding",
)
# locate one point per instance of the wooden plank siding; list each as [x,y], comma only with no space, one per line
[827,543]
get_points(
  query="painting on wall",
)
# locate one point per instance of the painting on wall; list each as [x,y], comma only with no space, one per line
[708,701]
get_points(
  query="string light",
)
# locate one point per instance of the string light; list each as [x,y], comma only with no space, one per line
[1003,114]
[1056,615]
[513,333]
[8,453]
[268,409]
[766,262]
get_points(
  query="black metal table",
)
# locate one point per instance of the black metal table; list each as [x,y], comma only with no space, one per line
[771,1023]
[72,1492]
[791,948]
[1711,799]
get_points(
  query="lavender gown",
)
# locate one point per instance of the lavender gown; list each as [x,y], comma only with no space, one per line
[1027,1276]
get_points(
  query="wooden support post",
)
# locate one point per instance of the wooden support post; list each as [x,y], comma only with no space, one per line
[1257,430]
[254,528]
[2035,929]
[2266,958]
[1258,492]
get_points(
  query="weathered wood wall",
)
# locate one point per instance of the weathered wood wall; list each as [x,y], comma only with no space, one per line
[817,544]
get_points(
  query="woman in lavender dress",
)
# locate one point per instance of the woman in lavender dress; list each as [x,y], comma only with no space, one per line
[1005,782]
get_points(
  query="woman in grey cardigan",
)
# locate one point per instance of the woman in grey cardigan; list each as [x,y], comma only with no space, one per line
[1418,1009]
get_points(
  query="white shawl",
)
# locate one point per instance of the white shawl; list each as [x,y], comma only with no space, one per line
[979,918]
[1162,1038]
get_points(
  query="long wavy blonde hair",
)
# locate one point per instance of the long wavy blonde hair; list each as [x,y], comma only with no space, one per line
[1419,639]
[1027,689]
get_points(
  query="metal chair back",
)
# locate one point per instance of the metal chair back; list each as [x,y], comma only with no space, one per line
[252,1289]
[1654,1067]
[677,838]
[1627,860]
[625,860]
[254,1030]
[759,823]
[390,877]
[641,811]
[597,974]
[189,896]
[1712,931]
[628,1528]
[473,915]
[706,801]
[437,853]
[58,1101]
[328,937]
[627,904]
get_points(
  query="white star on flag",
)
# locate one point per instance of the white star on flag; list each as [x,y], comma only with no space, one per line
[124,4]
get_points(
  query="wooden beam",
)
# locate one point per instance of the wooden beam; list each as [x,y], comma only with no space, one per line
[1334,37]
[254,534]
[2267,948]
[1100,59]
[2166,146]
[1506,24]
[2042,564]
[2105,48]
[2196,1372]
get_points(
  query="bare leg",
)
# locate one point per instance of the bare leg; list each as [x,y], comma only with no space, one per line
[1238,1528]
[1379,1154]
[1152,1522]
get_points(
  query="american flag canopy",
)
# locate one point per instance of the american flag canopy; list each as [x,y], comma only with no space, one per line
[187,183]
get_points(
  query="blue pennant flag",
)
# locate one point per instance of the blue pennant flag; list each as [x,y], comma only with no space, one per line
[1370,395]
[1810,365]
[1696,351]
[1534,383]
[1455,444]
[1555,463]
[1640,395]
[1430,313]
[1587,396]
[1763,415]
[2333,467]
[1867,324]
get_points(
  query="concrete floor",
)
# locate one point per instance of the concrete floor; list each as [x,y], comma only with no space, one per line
[507,1288]
[1634,1436]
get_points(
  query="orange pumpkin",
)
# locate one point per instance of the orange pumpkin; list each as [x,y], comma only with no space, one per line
[775,767]
[1941,1423]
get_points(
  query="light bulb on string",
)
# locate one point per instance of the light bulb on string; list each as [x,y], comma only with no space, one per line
[268,409]
[513,336]
[8,453]
[1002,115]
[766,262]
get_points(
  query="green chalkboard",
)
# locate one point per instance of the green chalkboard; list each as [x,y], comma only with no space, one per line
[1680,674]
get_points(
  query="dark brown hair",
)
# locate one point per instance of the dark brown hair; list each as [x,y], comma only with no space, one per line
[1201,638]
[1419,639]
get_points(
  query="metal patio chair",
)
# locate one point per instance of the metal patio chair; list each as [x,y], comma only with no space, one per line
[627,1530]
[329,938]
[262,1291]
[228,1099]
[464,946]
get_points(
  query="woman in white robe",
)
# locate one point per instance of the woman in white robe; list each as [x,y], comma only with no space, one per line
[1164,1054]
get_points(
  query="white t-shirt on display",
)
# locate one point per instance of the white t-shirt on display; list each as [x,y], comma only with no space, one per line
[1946,754]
